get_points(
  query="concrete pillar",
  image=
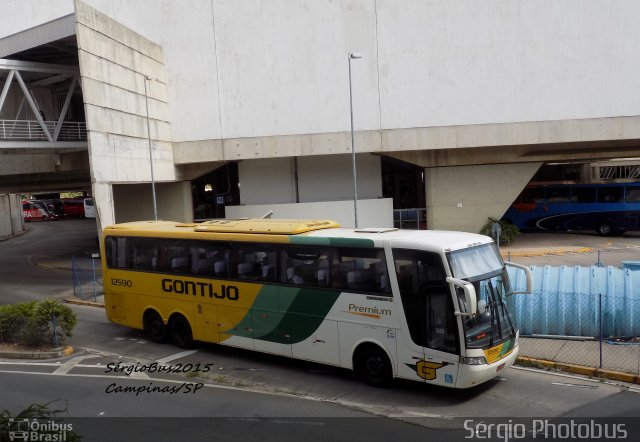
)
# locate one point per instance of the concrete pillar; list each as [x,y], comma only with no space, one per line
[463,197]
[11,220]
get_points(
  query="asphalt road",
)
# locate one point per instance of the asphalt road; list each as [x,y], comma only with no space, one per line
[45,242]
[519,392]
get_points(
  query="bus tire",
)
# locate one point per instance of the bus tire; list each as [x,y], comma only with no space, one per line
[181,332]
[605,228]
[372,365]
[154,327]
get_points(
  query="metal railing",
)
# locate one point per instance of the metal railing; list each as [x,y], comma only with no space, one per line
[30,130]
[592,330]
[87,278]
[410,218]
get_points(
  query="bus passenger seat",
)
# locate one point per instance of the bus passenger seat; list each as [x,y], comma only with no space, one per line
[323,277]
[245,269]
[179,263]
[359,280]
[384,283]
[268,272]
[220,267]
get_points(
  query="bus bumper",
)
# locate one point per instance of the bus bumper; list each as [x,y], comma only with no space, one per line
[472,375]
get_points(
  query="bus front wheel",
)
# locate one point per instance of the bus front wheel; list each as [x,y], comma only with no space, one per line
[372,365]
[154,327]
[181,332]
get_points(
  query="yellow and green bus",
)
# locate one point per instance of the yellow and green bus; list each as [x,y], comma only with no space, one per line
[423,305]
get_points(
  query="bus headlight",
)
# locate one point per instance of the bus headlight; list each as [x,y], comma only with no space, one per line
[475,360]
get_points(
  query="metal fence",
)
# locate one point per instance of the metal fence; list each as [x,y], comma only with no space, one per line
[87,278]
[410,219]
[596,331]
[586,314]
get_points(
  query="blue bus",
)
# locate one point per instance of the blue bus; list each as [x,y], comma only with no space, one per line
[609,209]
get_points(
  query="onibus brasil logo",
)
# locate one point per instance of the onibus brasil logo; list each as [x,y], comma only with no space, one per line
[24,429]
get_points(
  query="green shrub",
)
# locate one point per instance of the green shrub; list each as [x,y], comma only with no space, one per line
[31,324]
[509,231]
[65,318]
[13,318]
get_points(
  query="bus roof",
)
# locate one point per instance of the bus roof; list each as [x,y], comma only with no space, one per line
[299,232]
[247,226]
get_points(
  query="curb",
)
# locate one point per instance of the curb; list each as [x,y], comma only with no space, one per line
[26,230]
[77,301]
[581,369]
[546,252]
[35,354]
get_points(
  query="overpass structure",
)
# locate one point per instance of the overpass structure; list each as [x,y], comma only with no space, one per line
[249,101]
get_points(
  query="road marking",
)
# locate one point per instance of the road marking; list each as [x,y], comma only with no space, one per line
[564,384]
[182,354]
[71,363]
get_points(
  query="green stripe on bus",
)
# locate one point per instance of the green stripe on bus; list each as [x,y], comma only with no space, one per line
[309,240]
[286,315]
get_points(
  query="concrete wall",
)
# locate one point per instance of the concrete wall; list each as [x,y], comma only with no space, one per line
[437,63]
[371,213]
[114,62]
[11,220]
[320,178]
[462,198]
[134,202]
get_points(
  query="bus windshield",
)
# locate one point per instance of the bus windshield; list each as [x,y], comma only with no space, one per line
[482,266]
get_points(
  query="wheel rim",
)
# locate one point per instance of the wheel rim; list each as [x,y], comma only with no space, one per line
[605,229]
[155,328]
[181,332]
[374,367]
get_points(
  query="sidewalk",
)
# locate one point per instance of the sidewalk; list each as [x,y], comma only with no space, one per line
[619,361]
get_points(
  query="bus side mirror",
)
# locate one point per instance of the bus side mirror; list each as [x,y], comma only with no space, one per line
[527,272]
[470,297]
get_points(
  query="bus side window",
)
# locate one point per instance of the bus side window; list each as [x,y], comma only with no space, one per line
[179,258]
[632,195]
[610,194]
[256,262]
[360,269]
[204,257]
[305,266]
[143,254]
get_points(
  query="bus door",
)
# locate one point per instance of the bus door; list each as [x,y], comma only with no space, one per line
[429,344]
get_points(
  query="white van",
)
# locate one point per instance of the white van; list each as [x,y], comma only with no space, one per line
[89,208]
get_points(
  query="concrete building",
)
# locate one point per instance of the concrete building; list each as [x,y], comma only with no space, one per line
[245,103]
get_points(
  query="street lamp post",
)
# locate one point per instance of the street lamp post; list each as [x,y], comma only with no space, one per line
[153,182]
[353,56]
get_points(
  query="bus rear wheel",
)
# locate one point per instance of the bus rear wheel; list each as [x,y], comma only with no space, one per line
[372,365]
[154,327]
[181,332]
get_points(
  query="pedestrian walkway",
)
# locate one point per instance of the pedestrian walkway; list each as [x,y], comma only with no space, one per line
[618,361]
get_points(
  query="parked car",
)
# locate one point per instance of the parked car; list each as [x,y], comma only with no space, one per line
[55,206]
[47,213]
[73,207]
[89,208]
